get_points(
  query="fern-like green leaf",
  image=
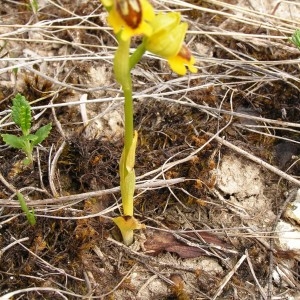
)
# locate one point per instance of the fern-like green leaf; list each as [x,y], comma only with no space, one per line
[21,113]
[31,138]
[41,134]
[13,141]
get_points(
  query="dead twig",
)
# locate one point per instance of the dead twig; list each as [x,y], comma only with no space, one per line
[52,168]
[283,207]
[262,292]
[11,245]
[228,276]
[61,293]
[83,196]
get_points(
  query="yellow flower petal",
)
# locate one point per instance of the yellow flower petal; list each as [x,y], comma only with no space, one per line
[147,9]
[191,66]
[179,62]
[115,21]
[128,32]
[130,17]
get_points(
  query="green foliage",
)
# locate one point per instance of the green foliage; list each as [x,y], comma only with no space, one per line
[34,5]
[29,213]
[41,134]
[295,39]
[15,71]
[21,115]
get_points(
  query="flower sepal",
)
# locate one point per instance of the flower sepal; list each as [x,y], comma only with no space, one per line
[167,41]
[168,35]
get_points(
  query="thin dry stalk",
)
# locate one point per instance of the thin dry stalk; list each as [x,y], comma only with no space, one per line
[52,168]
[228,277]
[262,292]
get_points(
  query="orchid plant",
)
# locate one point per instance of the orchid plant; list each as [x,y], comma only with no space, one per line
[162,34]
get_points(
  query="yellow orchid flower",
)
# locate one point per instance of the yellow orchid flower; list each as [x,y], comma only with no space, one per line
[129,17]
[167,41]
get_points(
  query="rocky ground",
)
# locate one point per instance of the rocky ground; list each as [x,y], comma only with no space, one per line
[217,160]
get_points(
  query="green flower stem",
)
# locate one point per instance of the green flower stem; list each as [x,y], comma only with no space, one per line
[123,64]
[126,223]
[127,176]
[128,110]
[122,73]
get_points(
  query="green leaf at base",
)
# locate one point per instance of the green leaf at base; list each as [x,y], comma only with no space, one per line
[13,141]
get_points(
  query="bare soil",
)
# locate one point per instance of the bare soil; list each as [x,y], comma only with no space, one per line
[217,160]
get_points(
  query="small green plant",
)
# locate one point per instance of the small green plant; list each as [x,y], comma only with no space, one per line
[21,116]
[29,213]
[295,39]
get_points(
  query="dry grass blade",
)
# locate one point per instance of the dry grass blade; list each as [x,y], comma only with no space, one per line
[228,276]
